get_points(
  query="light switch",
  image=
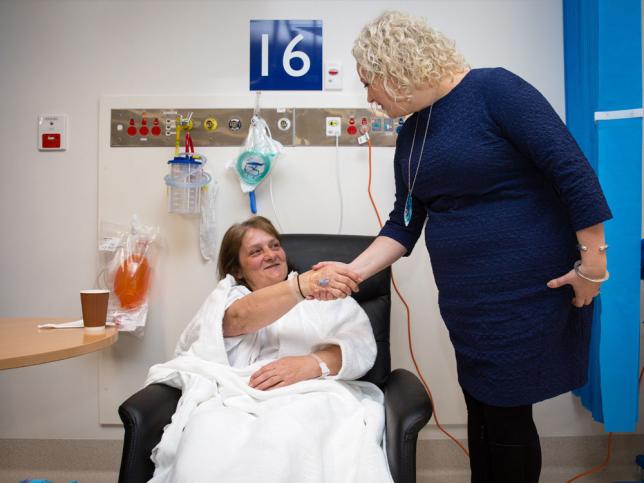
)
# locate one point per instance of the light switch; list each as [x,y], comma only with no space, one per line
[52,132]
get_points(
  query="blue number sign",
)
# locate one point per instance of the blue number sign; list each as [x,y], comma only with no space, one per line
[286,55]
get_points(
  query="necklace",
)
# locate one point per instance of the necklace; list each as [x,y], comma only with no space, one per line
[408,201]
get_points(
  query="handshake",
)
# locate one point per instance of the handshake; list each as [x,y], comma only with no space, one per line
[328,281]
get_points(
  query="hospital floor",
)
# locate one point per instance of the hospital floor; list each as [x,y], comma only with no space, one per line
[460,476]
[563,458]
[439,461]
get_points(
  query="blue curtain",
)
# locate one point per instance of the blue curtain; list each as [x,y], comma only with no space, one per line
[603,69]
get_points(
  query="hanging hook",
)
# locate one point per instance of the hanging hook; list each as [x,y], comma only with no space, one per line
[186,122]
[257,108]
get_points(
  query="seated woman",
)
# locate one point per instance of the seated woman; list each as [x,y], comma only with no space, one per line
[263,301]
[258,331]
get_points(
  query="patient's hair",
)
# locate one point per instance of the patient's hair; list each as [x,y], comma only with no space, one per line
[228,262]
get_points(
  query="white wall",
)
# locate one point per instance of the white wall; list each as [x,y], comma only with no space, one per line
[61,56]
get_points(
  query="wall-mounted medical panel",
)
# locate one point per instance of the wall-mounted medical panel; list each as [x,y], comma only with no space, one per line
[229,127]
[209,127]
[311,127]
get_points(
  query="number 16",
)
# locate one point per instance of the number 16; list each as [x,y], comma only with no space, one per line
[289,54]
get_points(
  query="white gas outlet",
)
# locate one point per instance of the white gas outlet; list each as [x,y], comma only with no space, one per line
[52,132]
[333,126]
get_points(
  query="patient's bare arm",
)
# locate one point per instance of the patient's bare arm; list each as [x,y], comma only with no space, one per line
[292,369]
[264,306]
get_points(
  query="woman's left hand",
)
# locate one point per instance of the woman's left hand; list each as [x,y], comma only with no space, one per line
[285,371]
[585,291]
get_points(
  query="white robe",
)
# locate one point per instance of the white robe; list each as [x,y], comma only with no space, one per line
[313,431]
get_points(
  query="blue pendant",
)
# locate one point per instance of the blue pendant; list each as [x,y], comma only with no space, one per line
[407,213]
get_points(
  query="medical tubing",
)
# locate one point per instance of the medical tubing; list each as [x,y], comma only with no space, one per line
[253,202]
[402,299]
[598,467]
[337,176]
[609,448]
[268,129]
[177,143]
[373,203]
[190,147]
[270,190]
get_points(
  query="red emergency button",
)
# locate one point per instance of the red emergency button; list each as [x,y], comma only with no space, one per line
[352,130]
[51,140]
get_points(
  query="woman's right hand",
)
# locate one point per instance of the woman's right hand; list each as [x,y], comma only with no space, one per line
[344,278]
[329,281]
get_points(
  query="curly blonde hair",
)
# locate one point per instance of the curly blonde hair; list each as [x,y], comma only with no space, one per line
[405,52]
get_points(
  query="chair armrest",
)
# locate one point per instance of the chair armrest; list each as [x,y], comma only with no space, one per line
[407,411]
[144,416]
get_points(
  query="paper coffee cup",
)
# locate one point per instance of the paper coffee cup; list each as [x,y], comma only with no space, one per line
[94,306]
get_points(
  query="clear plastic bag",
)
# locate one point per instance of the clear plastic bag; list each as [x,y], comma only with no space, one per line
[256,157]
[127,260]
[207,225]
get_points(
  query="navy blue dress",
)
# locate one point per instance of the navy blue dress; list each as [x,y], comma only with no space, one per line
[502,187]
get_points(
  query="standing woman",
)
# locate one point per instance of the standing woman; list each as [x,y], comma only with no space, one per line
[513,218]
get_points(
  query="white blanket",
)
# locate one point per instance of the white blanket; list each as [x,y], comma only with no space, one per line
[313,431]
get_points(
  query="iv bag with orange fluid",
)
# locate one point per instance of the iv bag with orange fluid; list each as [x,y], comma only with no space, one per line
[128,257]
[132,277]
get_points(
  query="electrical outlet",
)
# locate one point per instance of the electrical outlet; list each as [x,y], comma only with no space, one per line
[333,126]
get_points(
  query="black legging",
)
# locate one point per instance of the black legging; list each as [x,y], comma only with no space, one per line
[503,443]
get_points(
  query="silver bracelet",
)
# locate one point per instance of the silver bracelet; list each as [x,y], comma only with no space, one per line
[584,248]
[581,274]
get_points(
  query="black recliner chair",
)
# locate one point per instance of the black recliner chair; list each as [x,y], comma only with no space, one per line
[407,406]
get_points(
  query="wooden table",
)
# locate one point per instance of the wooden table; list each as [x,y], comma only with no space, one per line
[22,343]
